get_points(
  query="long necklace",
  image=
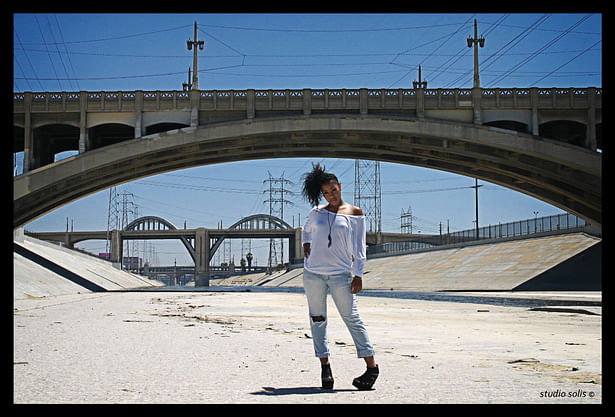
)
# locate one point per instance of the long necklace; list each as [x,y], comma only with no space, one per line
[328,221]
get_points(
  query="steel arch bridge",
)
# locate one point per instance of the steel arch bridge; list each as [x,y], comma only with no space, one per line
[158,223]
[259,223]
[256,222]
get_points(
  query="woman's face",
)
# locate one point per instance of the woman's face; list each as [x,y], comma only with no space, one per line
[332,192]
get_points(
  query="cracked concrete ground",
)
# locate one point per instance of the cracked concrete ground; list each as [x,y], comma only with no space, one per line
[247,347]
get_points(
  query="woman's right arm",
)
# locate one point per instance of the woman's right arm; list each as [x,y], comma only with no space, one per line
[306,236]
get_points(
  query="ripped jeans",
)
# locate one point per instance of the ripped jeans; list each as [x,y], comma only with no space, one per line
[316,286]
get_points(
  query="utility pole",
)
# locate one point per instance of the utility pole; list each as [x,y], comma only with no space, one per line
[200,44]
[476,42]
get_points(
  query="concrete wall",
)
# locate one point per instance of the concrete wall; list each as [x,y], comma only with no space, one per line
[534,264]
[42,269]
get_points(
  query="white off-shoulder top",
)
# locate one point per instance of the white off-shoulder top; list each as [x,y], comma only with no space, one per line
[347,251]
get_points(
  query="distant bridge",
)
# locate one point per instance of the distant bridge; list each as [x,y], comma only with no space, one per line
[202,243]
[541,142]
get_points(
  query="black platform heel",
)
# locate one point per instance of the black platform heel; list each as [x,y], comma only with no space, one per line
[326,377]
[366,381]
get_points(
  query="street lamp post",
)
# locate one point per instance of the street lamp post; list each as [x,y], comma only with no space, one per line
[200,45]
[476,42]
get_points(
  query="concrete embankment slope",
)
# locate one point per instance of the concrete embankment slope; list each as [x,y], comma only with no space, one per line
[42,269]
[558,262]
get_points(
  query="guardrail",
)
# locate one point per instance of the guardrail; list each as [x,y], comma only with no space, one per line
[297,99]
[535,226]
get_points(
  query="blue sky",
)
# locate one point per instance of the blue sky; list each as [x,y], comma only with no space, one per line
[112,52]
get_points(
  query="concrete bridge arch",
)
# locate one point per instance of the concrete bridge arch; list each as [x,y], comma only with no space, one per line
[564,175]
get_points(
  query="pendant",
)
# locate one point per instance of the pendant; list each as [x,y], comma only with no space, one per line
[329,237]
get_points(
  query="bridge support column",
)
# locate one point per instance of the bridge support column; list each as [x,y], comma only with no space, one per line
[116,249]
[420,102]
[534,103]
[28,139]
[476,99]
[591,142]
[250,112]
[363,101]
[139,114]
[67,242]
[83,121]
[307,101]
[201,264]
[296,246]
[195,100]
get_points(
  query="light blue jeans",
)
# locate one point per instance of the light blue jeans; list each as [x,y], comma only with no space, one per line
[316,287]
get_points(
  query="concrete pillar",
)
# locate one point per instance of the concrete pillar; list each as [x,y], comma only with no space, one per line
[201,264]
[476,99]
[18,234]
[116,249]
[195,102]
[420,102]
[363,101]
[590,141]
[28,140]
[138,114]
[83,121]
[67,241]
[307,101]
[251,110]
[534,103]
[298,247]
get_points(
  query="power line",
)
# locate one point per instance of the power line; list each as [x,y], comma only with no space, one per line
[47,47]
[567,62]
[329,30]
[135,35]
[447,67]
[70,62]
[539,51]
[197,187]
[289,56]
[433,190]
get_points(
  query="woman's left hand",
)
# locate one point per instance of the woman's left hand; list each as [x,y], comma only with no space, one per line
[356,285]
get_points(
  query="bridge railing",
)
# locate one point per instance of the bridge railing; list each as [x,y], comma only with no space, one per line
[539,225]
[315,99]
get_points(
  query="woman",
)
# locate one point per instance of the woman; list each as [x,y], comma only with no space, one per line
[333,241]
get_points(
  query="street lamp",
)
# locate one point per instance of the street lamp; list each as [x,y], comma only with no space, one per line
[476,42]
[187,86]
[200,45]
[419,83]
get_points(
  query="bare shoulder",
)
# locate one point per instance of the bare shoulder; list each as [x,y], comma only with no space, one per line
[352,210]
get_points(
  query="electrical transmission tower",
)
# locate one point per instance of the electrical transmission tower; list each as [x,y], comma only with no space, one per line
[130,211]
[113,217]
[406,220]
[117,221]
[367,193]
[277,199]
